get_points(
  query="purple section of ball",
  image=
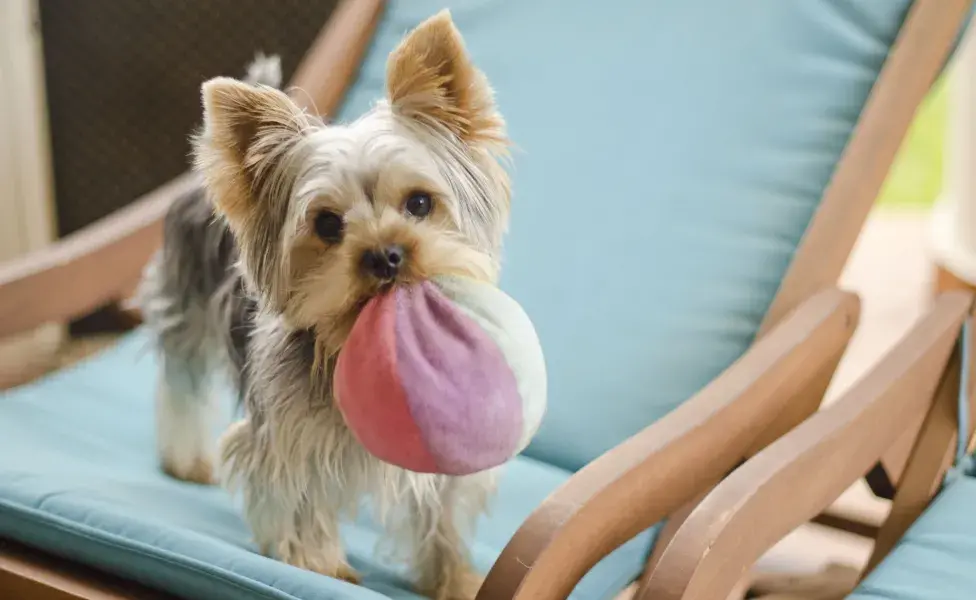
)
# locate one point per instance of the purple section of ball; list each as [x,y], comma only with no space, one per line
[460,390]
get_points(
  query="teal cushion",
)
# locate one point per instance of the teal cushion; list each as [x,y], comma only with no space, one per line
[669,156]
[935,559]
[79,478]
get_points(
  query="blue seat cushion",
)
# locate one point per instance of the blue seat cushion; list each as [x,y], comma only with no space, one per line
[936,559]
[79,478]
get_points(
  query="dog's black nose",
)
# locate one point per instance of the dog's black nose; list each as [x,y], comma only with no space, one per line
[384,263]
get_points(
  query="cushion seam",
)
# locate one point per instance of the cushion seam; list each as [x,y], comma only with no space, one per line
[212,572]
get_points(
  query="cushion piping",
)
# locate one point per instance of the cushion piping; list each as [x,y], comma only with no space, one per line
[42,519]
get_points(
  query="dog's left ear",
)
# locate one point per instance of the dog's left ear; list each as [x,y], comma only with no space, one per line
[431,77]
[248,129]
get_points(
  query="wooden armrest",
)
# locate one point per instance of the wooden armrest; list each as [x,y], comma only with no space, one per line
[87,269]
[102,263]
[800,474]
[651,474]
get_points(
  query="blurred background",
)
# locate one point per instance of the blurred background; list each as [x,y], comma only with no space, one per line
[84,133]
[89,121]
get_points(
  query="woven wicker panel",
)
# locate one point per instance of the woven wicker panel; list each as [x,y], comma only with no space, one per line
[123,81]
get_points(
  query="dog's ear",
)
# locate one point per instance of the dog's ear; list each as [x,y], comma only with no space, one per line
[430,77]
[247,131]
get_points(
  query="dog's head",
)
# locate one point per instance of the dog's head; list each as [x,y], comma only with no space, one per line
[326,216]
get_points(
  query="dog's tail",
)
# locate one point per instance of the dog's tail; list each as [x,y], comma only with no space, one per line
[265,70]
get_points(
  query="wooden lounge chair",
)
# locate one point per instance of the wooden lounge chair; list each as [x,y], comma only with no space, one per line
[690,178]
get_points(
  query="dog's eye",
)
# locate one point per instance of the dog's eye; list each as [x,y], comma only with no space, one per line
[419,204]
[328,226]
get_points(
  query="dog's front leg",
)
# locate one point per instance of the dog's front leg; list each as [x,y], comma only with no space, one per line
[291,521]
[441,559]
[301,535]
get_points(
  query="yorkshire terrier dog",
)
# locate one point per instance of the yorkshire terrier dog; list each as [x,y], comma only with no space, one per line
[264,273]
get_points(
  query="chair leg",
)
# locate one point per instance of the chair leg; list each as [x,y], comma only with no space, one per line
[834,582]
[27,573]
[859,525]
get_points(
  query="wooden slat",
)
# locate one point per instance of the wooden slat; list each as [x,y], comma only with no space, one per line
[653,473]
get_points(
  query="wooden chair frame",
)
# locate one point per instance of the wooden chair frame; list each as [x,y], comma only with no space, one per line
[656,474]
[796,477]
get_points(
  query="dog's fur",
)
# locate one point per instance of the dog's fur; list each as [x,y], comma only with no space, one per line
[260,291]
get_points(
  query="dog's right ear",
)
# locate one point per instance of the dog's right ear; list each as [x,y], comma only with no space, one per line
[430,76]
[247,131]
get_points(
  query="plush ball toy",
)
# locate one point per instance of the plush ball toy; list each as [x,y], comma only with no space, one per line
[445,376]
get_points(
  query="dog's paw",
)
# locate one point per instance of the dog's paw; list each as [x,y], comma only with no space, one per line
[461,585]
[320,562]
[199,470]
[343,571]
[347,573]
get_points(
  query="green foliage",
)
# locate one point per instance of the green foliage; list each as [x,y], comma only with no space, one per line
[916,176]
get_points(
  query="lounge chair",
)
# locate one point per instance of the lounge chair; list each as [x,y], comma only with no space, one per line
[690,177]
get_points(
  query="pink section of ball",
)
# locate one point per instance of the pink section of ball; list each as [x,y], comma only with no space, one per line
[459,387]
[369,395]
